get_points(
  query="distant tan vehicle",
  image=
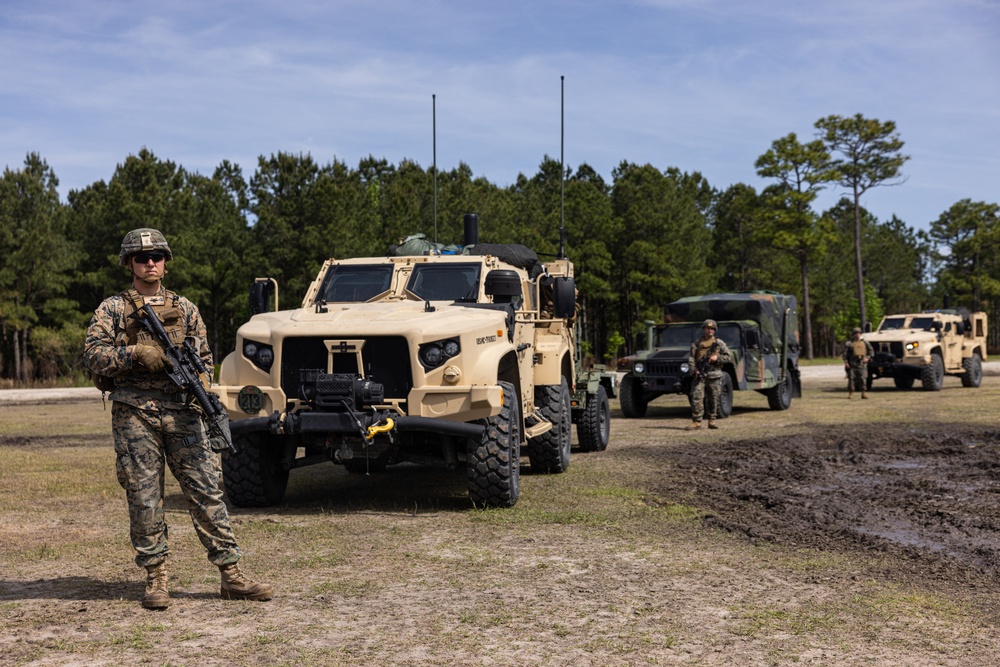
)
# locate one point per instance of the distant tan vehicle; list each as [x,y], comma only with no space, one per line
[434,358]
[928,346]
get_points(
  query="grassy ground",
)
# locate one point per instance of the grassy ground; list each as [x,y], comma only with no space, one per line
[592,567]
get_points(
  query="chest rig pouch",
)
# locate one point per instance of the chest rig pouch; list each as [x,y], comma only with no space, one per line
[858,349]
[167,309]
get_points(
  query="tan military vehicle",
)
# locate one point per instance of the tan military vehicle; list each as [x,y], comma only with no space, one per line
[927,346]
[460,360]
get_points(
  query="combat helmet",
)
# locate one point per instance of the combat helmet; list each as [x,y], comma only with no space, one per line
[856,330]
[145,239]
[710,323]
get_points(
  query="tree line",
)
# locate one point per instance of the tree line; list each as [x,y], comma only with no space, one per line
[647,237]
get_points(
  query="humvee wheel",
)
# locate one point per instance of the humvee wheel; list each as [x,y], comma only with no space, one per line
[905,382]
[779,397]
[494,463]
[594,427]
[973,375]
[932,375]
[253,475]
[725,395]
[549,452]
[630,397]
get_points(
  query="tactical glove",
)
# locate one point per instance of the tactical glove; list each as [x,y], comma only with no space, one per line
[150,357]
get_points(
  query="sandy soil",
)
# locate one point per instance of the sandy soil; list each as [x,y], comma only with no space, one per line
[833,533]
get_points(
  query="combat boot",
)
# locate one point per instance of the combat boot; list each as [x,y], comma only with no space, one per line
[157,596]
[694,426]
[864,394]
[237,586]
[712,424]
[850,394]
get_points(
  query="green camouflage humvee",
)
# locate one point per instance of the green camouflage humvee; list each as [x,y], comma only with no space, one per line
[761,330]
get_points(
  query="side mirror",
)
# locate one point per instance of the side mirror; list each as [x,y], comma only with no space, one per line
[260,296]
[564,298]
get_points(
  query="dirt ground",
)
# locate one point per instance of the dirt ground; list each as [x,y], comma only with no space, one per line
[834,533]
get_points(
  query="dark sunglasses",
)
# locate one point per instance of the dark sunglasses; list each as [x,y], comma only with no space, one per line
[144,257]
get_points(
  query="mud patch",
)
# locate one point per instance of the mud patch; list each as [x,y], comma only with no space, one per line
[928,496]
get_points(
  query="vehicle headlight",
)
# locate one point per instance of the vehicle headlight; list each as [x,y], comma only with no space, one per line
[434,354]
[911,347]
[685,367]
[638,367]
[259,354]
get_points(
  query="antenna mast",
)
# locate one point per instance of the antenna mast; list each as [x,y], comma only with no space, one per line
[562,169]
[435,136]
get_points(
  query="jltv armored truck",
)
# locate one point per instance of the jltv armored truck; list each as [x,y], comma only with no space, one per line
[459,360]
[760,329]
[927,346]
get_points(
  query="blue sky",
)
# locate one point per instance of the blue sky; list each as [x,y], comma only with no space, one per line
[702,85]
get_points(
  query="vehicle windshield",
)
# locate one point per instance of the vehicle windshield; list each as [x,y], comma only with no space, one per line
[890,323]
[925,323]
[445,282]
[355,283]
[682,335]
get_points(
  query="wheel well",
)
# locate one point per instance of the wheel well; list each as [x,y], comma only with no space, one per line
[507,371]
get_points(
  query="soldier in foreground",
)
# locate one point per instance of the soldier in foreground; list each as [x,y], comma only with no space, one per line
[706,358]
[857,352]
[154,423]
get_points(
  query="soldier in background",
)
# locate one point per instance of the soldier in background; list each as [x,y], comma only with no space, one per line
[857,353]
[154,424]
[707,356]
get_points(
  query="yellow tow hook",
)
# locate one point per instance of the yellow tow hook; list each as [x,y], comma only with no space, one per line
[375,429]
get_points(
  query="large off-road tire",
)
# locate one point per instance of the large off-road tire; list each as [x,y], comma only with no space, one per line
[779,397]
[494,463]
[549,452]
[903,381]
[932,375]
[725,395]
[594,427]
[253,476]
[973,375]
[630,398]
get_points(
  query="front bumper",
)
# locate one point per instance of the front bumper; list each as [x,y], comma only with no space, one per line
[352,423]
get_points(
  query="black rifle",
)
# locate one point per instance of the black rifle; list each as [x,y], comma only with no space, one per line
[184,367]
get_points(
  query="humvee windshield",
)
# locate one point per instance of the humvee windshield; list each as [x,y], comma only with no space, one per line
[345,283]
[445,282]
[682,335]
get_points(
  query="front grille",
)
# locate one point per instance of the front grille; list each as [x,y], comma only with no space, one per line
[894,348]
[655,367]
[386,360]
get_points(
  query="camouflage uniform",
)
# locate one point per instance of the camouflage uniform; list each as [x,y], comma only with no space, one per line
[856,356]
[153,424]
[709,385]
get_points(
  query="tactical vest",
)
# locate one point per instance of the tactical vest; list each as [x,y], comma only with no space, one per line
[167,309]
[704,346]
[858,349]
[165,306]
